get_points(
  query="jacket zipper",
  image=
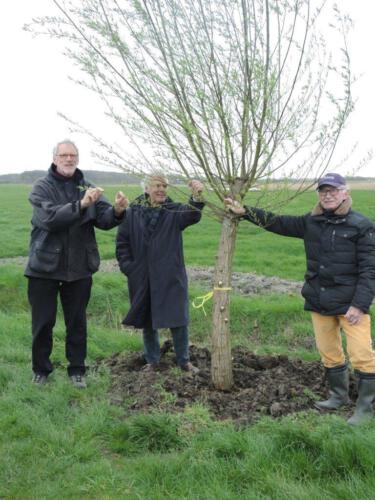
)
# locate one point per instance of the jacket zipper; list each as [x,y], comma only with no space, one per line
[333,239]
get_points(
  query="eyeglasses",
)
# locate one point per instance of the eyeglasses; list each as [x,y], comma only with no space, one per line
[68,155]
[331,192]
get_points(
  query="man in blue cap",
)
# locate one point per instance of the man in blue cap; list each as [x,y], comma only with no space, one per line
[339,286]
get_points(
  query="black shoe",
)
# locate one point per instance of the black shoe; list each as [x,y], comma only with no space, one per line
[78,381]
[39,379]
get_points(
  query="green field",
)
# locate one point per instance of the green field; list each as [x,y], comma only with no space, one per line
[59,442]
[256,250]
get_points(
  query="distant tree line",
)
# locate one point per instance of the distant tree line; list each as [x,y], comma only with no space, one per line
[94,176]
[115,178]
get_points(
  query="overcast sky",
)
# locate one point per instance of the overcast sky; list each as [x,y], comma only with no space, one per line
[34,87]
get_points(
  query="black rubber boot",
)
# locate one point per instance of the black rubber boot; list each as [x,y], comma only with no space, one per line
[338,379]
[366,395]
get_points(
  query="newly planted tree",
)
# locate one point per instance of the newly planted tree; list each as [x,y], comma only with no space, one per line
[233,92]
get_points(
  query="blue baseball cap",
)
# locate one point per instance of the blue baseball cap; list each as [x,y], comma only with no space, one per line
[335,180]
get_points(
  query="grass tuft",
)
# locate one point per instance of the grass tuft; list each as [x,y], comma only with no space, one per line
[157,433]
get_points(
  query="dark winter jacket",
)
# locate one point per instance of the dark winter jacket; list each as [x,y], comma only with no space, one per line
[63,244]
[340,253]
[150,253]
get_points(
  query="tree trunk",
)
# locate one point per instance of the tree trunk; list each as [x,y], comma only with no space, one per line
[221,363]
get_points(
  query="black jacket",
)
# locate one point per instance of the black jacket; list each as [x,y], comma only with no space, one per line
[153,262]
[340,253]
[63,244]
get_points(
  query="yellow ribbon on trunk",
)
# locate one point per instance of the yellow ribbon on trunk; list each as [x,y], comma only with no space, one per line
[205,298]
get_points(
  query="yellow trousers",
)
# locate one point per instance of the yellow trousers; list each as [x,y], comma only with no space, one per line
[327,331]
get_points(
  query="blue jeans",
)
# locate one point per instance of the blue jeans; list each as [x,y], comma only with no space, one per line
[180,338]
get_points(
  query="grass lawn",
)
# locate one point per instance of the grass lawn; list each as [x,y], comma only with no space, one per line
[60,442]
[256,249]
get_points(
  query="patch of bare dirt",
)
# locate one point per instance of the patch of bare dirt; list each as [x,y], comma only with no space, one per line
[245,283]
[242,283]
[19,261]
[263,385]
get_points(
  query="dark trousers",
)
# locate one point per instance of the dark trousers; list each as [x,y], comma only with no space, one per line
[74,297]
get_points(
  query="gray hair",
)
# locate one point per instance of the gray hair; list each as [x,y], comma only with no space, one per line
[154,175]
[65,141]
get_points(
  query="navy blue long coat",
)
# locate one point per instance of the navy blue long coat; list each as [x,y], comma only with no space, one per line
[154,265]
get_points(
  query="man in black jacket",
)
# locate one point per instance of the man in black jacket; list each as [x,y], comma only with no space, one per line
[339,286]
[63,256]
[149,251]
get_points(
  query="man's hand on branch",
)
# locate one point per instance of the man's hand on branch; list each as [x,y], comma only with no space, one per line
[197,189]
[91,196]
[234,206]
[121,203]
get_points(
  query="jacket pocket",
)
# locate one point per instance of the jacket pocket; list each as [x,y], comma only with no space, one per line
[128,267]
[309,275]
[93,259]
[345,280]
[308,290]
[45,260]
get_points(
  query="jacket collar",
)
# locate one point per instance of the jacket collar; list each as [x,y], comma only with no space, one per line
[144,200]
[343,209]
[77,176]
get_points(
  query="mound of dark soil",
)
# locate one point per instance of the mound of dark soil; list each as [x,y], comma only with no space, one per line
[263,385]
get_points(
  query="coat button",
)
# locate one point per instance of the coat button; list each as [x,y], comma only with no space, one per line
[322,289]
[321,266]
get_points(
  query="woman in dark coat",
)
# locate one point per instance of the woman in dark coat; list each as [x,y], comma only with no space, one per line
[149,250]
